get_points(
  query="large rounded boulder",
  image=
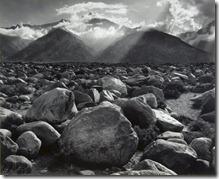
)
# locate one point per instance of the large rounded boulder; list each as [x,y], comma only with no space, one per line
[99,135]
[54,107]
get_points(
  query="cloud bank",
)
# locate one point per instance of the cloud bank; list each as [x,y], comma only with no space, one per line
[24,32]
[182,16]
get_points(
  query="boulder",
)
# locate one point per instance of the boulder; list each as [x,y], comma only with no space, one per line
[190,135]
[111,83]
[166,122]
[44,131]
[150,89]
[202,146]
[81,97]
[8,146]
[175,156]
[99,135]
[173,89]
[29,144]
[209,117]
[149,99]
[18,164]
[209,105]
[148,164]
[137,112]
[55,106]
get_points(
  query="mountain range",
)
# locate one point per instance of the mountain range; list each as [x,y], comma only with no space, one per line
[134,46]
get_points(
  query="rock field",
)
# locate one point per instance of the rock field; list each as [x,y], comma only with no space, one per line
[98,119]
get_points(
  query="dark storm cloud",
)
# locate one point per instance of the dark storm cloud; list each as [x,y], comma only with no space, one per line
[34,11]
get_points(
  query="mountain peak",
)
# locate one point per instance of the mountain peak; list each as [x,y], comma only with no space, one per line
[57,46]
[152,46]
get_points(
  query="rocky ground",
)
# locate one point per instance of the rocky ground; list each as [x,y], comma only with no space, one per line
[92,119]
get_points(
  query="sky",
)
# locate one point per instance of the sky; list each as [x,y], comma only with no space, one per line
[171,16]
[43,11]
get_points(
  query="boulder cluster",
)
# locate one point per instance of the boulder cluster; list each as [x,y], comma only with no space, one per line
[92,119]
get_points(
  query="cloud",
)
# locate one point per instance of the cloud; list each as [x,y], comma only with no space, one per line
[24,32]
[190,15]
[79,13]
[94,36]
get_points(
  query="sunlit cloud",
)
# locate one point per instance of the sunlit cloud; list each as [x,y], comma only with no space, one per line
[183,16]
[80,14]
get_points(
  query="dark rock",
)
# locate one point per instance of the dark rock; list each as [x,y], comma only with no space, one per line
[200,99]
[209,105]
[209,117]
[202,146]
[81,97]
[206,128]
[190,135]
[175,156]
[137,112]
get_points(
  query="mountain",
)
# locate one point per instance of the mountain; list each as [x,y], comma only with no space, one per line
[9,45]
[203,39]
[57,46]
[152,46]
